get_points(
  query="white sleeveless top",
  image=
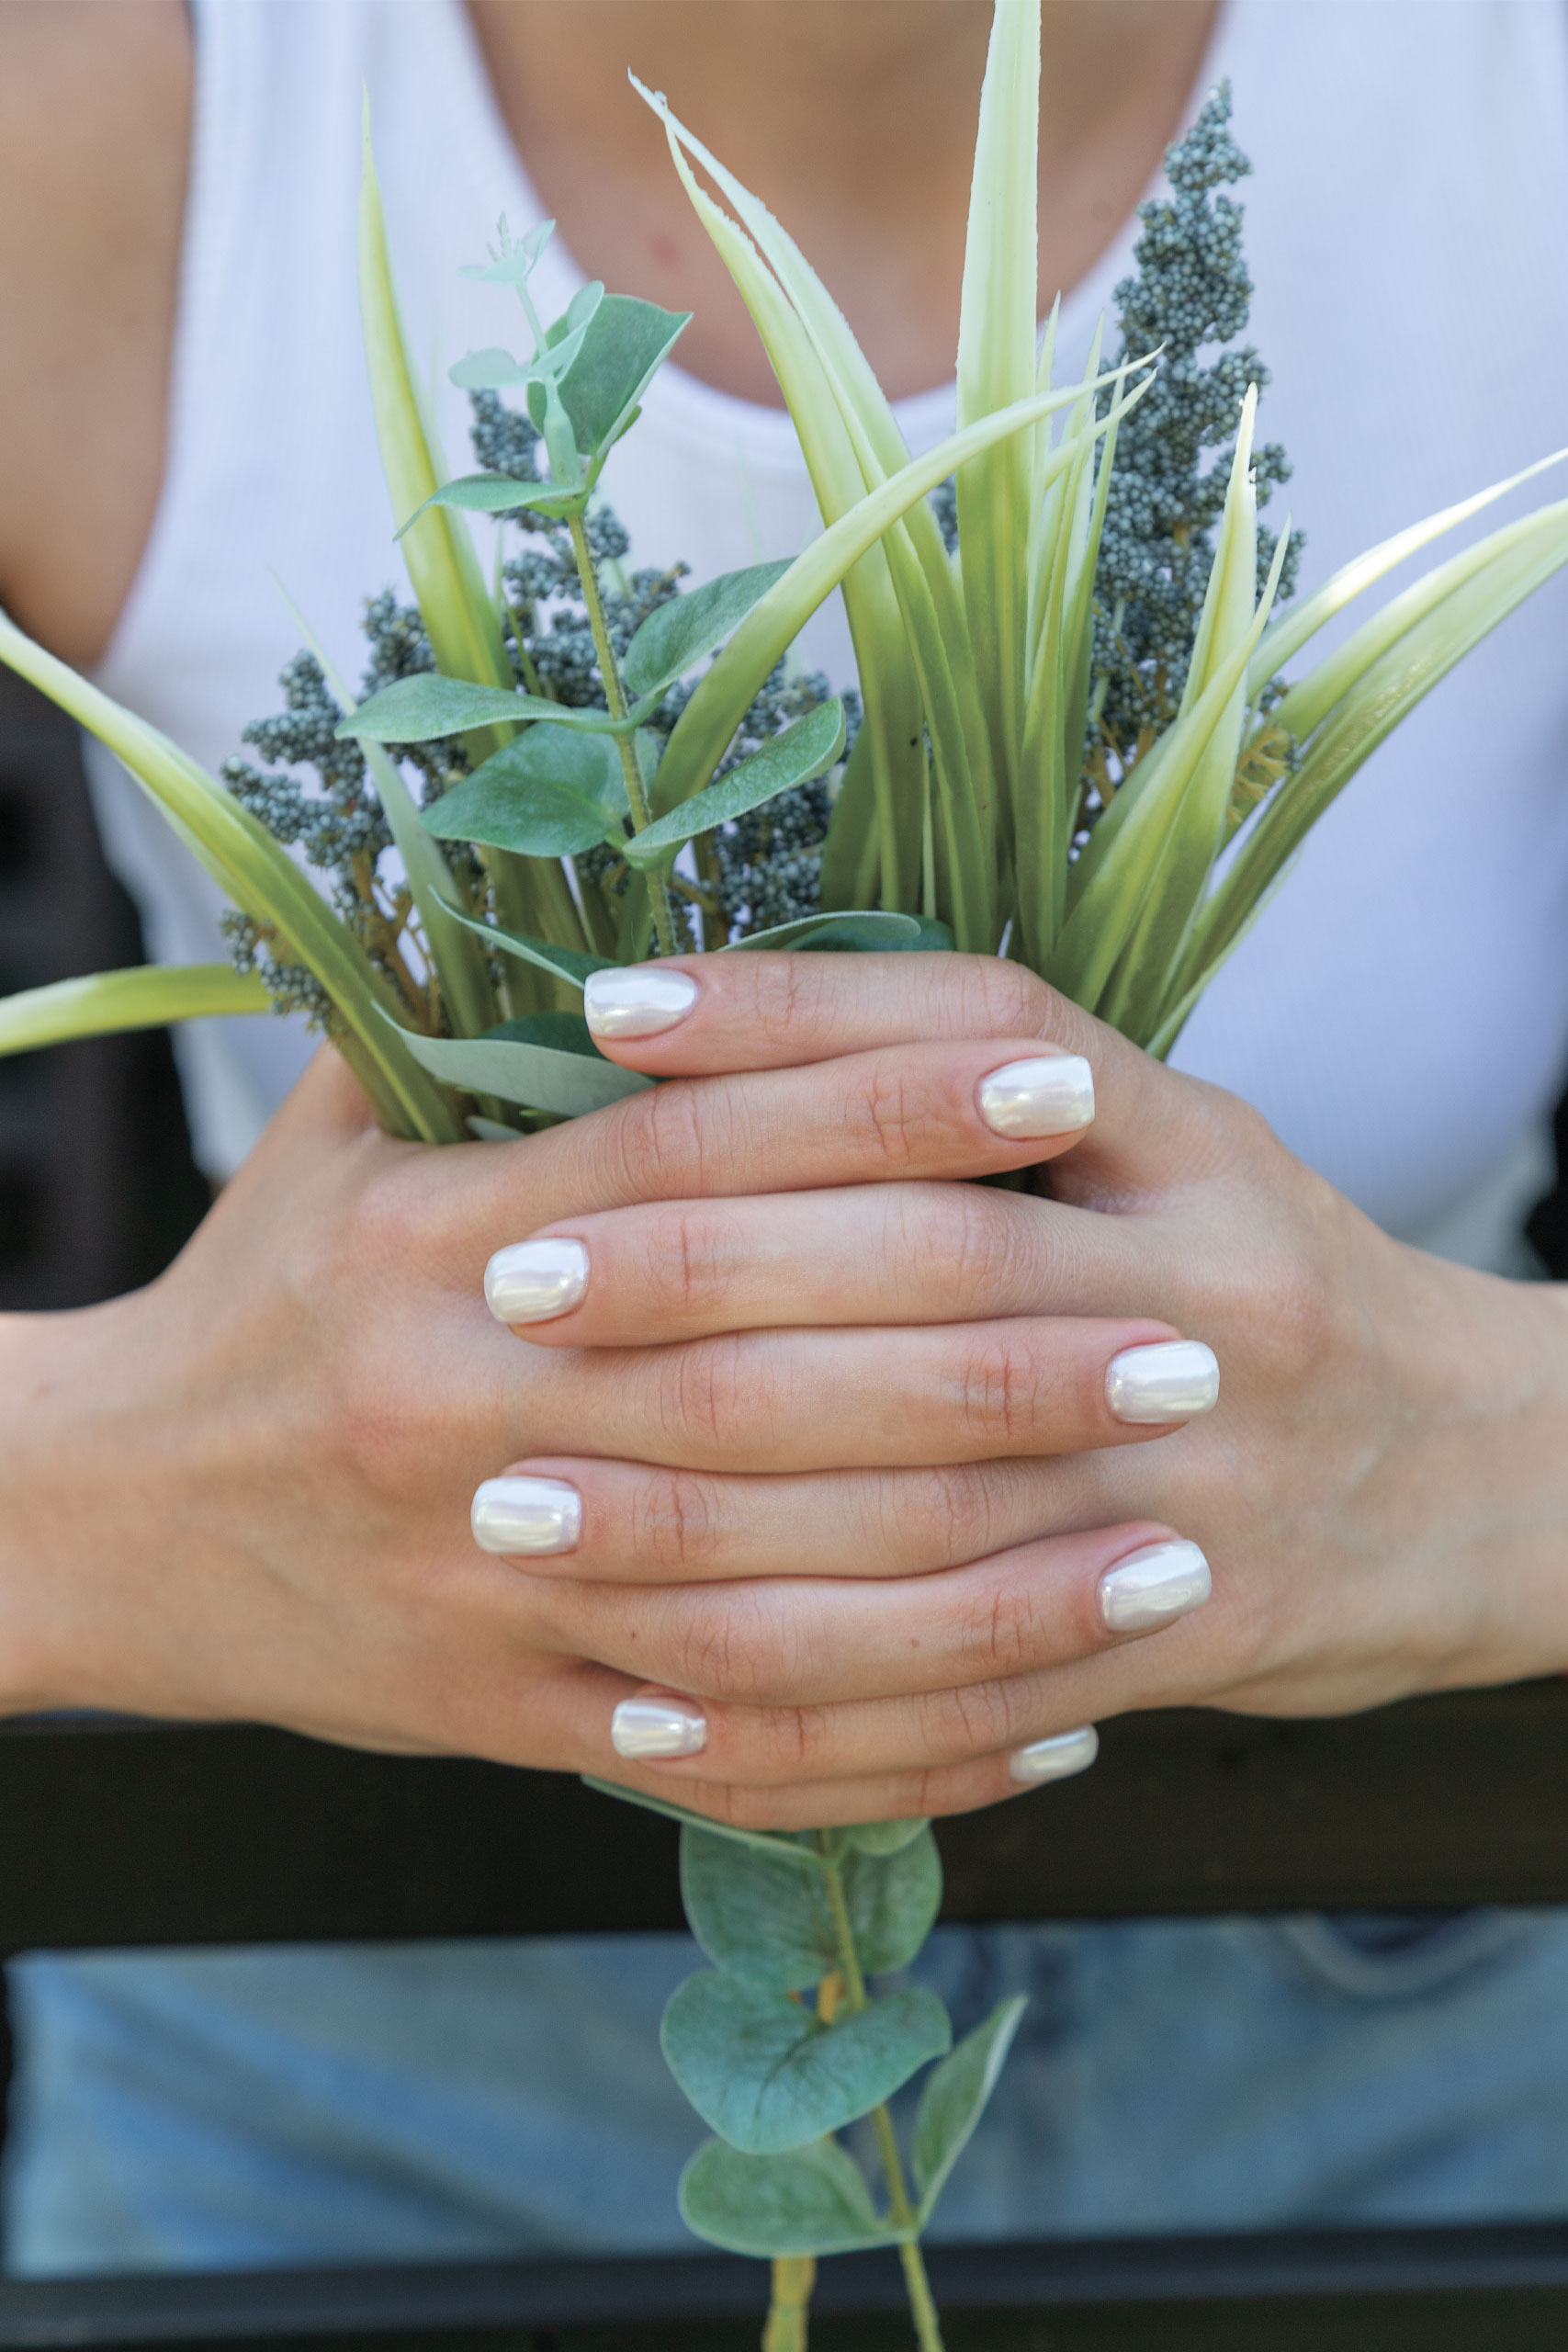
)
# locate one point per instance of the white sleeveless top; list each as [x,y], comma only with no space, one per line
[1401,1012]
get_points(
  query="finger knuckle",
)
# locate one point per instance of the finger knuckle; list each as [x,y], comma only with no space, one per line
[675,1520]
[688,1262]
[715,1393]
[660,1143]
[995,1389]
[897,1119]
[972,1719]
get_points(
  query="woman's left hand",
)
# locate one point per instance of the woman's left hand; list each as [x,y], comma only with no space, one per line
[1381,1492]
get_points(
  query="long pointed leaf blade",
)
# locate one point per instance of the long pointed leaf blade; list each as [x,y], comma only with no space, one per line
[1310,614]
[710,718]
[147,996]
[260,877]
[997,324]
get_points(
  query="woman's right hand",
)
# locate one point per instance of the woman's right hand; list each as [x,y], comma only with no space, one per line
[244,1492]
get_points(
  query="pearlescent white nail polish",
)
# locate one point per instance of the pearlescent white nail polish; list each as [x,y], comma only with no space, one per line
[1051,1094]
[526,1516]
[636,1002]
[1152,1587]
[642,1728]
[1054,1759]
[530,1282]
[1171,1380]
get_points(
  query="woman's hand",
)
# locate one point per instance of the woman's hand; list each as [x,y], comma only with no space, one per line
[917,1573]
[245,1491]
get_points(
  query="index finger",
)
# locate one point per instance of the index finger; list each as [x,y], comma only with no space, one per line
[697,1015]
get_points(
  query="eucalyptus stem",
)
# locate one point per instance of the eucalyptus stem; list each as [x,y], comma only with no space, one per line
[614,695]
[922,2304]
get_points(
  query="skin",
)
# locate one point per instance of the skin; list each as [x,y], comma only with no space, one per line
[854,1482]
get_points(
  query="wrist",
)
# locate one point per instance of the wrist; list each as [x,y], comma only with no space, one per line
[62,1431]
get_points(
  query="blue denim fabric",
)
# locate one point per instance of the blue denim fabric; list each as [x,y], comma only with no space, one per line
[435,2100]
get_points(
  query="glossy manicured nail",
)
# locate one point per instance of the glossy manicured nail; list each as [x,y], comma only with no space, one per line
[533,1281]
[644,1727]
[526,1516]
[1051,1094]
[636,1002]
[1172,1380]
[1054,1759]
[1151,1587]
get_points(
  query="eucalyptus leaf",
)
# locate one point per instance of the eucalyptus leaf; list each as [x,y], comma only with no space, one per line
[540,1078]
[568,964]
[514,263]
[766,2074]
[801,1852]
[563,1032]
[884,1836]
[862,927]
[492,370]
[801,752]
[677,636]
[955,2099]
[498,494]
[422,709]
[768,1924]
[491,1131]
[811,2201]
[549,794]
[626,342]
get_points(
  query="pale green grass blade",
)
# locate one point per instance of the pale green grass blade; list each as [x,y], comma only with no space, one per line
[997,327]
[459,618]
[148,996]
[890,763]
[261,878]
[1129,842]
[1293,629]
[1308,703]
[935,627]
[1197,825]
[705,727]
[1371,710]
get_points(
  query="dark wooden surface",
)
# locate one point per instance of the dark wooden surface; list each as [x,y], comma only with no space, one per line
[1374,2291]
[237,1834]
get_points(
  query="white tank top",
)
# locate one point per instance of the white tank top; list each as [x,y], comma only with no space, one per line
[1401,1012]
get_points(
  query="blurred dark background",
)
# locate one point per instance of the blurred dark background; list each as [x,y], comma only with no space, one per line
[97,1187]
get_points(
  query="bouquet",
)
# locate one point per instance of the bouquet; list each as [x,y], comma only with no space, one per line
[1072,743]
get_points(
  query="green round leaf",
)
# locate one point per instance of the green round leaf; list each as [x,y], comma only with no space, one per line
[813,2201]
[548,794]
[677,636]
[761,2070]
[806,750]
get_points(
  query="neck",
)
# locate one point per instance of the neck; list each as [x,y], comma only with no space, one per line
[854,120]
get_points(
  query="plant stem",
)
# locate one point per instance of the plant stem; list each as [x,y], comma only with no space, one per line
[614,695]
[922,2304]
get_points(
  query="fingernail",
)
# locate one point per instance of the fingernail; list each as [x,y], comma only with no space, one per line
[526,1516]
[1169,1381]
[642,1728]
[1054,1759]
[638,1000]
[1151,1587]
[533,1281]
[1051,1095]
